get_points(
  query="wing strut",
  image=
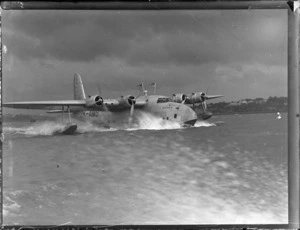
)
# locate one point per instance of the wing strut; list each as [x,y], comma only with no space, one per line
[70,127]
[62,114]
[69,114]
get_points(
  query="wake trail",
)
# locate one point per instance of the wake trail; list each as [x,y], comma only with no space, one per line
[204,124]
[144,121]
[45,128]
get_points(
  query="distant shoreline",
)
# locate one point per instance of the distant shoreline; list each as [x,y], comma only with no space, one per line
[34,118]
[241,113]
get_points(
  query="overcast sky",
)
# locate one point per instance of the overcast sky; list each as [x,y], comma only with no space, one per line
[237,53]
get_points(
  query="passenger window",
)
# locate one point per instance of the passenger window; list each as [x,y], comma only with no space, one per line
[175,115]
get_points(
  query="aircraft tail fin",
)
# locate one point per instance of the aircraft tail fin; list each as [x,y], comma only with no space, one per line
[79,93]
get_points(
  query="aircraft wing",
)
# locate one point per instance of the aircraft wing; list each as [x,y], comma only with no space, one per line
[112,105]
[207,97]
[45,104]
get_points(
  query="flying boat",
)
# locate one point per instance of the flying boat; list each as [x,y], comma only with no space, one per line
[178,108]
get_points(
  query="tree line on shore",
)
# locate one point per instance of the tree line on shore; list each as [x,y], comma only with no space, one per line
[257,105]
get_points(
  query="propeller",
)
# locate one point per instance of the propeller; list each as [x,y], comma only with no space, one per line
[99,89]
[132,100]
[99,100]
[203,96]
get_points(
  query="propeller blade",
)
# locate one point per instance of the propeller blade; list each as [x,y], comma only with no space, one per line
[131,113]
[99,90]
[207,90]
[132,101]
[131,110]
[204,106]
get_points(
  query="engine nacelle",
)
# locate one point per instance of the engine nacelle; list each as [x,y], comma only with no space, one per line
[179,97]
[131,100]
[127,100]
[94,101]
[198,97]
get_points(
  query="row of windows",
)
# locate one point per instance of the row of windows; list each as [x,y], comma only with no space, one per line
[164,100]
[167,118]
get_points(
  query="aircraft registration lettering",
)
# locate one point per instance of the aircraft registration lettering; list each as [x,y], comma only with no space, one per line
[91,114]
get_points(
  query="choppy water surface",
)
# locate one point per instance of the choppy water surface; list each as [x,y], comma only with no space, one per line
[230,170]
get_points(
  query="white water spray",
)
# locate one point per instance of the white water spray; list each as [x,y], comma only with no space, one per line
[85,127]
[204,124]
[144,121]
[46,128]
[149,121]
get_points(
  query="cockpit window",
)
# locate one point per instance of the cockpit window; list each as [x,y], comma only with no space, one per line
[163,100]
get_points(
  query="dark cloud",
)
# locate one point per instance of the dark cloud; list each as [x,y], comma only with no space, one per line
[235,53]
[40,23]
[141,37]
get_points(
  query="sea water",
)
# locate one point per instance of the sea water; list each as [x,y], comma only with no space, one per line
[228,170]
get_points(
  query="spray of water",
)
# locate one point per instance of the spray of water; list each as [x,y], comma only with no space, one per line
[86,127]
[149,121]
[46,128]
[144,121]
[49,128]
[204,124]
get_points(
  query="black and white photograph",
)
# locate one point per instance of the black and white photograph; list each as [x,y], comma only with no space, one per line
[144,117]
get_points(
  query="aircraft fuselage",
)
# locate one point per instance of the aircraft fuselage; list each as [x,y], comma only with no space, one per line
[156,105]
